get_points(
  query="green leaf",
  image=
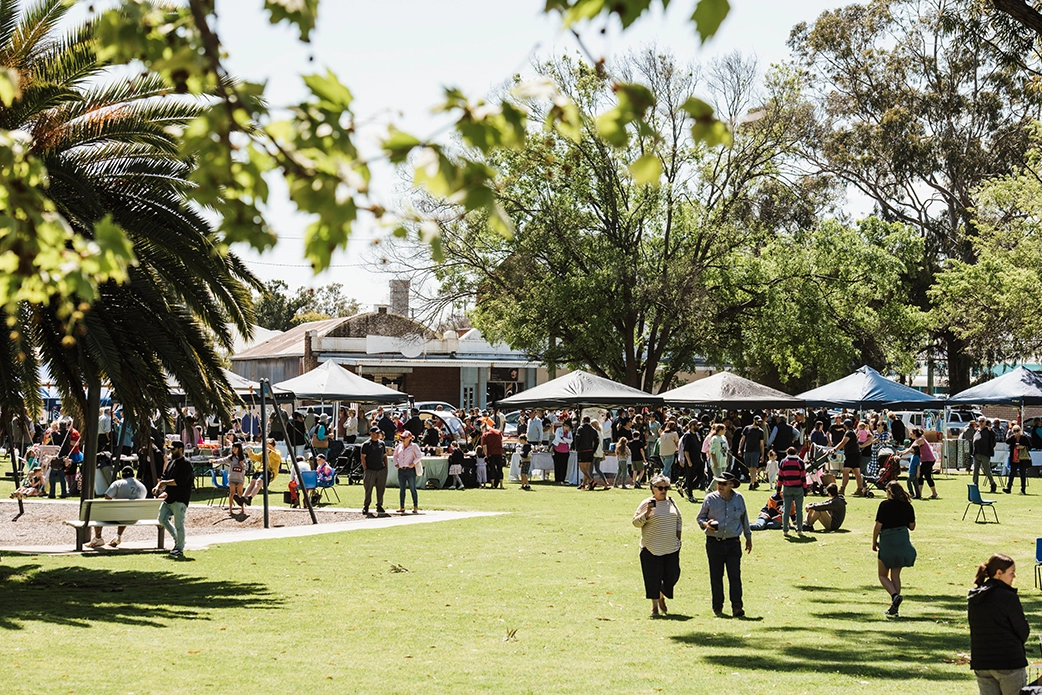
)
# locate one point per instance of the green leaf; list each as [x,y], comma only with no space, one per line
[299,12]
[399,144]
[634,101]
[332,93]
[708,16]
[646,170]
[10,86]
[706,127]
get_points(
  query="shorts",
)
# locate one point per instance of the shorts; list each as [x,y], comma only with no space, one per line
[526,466]
[585,456]
[852,461]
[637,465]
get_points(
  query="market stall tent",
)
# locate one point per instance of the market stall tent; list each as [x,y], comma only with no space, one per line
[727,390]
[867,388]
[577,389]
[331,382]
[1020,387]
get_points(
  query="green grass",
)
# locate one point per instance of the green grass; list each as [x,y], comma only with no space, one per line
[559,572]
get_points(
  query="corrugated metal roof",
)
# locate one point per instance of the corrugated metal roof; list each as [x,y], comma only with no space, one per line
[290,343]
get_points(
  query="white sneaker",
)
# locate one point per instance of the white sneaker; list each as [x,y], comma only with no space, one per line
[114,543]
[96,542]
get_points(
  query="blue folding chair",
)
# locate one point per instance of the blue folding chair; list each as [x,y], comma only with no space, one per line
[219,486]
[1038,563]
[973,494]
[327,486]
[309,480]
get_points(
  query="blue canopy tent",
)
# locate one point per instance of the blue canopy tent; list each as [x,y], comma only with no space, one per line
[867,388]
[1020,387]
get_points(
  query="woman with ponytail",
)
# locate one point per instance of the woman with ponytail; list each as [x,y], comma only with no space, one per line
[998,629]
[894,519]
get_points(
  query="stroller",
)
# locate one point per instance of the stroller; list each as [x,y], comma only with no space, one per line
[888,468]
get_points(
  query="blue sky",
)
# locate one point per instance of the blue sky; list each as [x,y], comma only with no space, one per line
[397,55]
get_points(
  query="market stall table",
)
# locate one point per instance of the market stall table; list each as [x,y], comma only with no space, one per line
[434,468]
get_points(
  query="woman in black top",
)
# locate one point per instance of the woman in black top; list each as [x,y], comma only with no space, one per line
[894,519]
[998,629]
[1019,459]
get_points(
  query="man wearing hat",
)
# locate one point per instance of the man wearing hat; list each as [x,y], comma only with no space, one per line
[175,487]
[406,459]
[374,467]
[725,519]
[127,488]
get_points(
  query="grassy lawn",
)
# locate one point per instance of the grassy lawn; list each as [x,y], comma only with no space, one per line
[545,599]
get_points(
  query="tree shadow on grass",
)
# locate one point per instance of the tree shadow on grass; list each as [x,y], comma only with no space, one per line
[82,596]
[864,652]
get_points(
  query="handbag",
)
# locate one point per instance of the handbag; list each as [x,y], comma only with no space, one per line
[419,469]
[1023,455]
[317,443]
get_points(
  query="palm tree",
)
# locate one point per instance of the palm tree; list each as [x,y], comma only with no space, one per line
[110,146]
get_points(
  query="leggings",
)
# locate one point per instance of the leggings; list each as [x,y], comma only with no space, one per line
[926,473]
[620,477]
[596,472]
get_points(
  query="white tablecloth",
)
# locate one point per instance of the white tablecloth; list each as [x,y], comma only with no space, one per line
[543,461]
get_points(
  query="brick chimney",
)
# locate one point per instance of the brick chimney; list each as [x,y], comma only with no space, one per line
[310,361]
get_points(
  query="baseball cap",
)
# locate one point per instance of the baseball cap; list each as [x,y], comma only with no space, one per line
[127,472]
[374,429]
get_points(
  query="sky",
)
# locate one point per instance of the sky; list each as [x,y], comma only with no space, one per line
[396,56]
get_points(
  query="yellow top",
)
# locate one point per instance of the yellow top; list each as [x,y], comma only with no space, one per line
[274,461]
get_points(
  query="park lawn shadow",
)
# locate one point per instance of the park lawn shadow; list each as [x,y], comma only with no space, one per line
[83,596]
[883,653]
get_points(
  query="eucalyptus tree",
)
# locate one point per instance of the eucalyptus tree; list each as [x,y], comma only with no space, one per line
[917,110]
[623,268]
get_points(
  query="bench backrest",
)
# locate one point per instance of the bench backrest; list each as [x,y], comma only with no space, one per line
[120,510]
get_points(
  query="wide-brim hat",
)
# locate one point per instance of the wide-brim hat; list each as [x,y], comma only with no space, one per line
[726,477]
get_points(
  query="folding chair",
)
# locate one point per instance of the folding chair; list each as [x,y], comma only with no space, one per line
[328,486]
[309,481]
[1038,563]
[219,486]
[973,494]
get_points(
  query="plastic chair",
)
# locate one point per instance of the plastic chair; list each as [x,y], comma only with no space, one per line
[219,486]
[1038,563]
[328,486]
[973,494]
[309,480]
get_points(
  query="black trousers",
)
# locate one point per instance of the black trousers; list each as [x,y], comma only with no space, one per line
[561,466]
[1013,468]
[661,573]
[726,554]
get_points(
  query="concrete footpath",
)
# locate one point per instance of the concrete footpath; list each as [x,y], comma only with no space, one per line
[204,541]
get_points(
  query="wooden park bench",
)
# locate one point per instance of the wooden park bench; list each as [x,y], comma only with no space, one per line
[94,513]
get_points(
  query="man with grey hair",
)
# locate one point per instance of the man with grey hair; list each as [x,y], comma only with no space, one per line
[983,448]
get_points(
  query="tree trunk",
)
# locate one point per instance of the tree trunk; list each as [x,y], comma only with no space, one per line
[958,364]
[1022,12]
[89,440]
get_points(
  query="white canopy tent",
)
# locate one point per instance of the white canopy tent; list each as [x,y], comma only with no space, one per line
[331,382]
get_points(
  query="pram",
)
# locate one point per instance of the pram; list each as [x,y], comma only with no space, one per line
[820,461]
[888,468]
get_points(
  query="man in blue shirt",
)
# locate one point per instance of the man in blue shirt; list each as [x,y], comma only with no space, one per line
[724,519]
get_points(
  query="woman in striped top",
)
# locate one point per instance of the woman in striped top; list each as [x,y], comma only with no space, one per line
[792,479]
[658,519]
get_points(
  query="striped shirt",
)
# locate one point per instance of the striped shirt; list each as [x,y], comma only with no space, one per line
[791,472]
[660,526]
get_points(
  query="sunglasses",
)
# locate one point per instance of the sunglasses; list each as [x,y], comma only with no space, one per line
[661,487]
